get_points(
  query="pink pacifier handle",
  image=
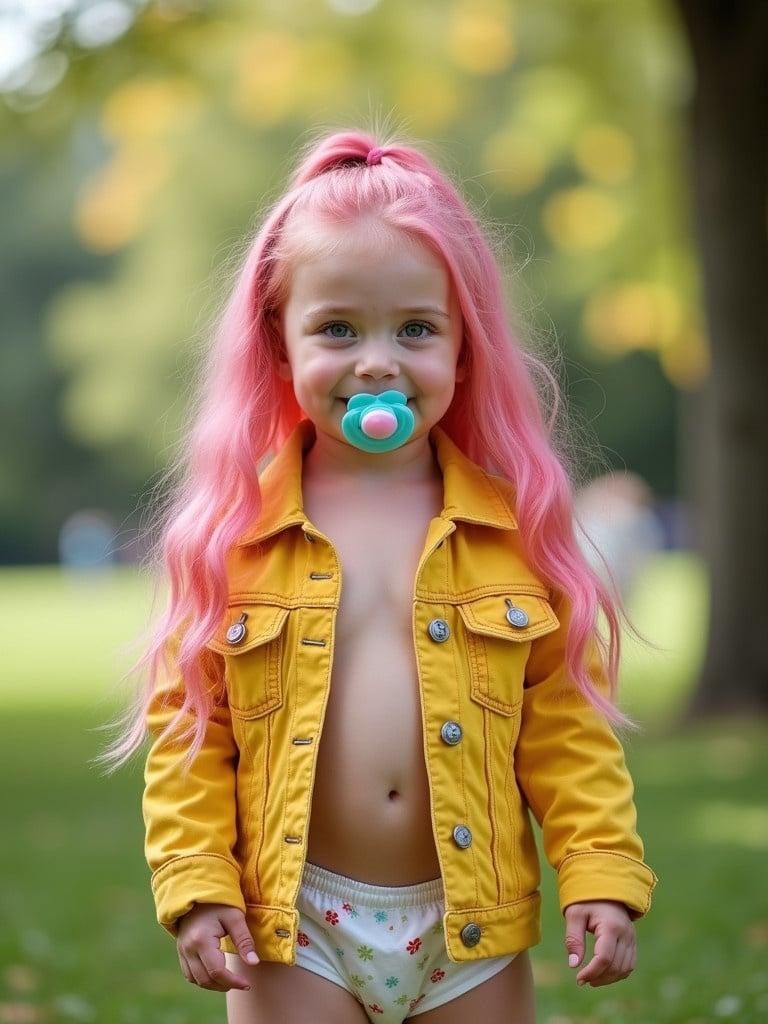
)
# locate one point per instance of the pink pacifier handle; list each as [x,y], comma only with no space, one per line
[378,423]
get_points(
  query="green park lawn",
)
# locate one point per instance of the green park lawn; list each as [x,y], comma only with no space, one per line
[79,941]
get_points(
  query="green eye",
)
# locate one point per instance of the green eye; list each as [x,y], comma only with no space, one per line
[420,323]
[336,324]
[411,323]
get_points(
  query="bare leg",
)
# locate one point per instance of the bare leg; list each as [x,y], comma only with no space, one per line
[288,995]
[506,998]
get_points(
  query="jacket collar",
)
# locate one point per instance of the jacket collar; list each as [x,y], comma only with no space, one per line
[469,492]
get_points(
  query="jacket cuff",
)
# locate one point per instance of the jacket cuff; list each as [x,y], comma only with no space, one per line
[197,878]
[602,875]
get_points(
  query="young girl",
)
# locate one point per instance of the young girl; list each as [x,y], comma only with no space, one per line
[381,642]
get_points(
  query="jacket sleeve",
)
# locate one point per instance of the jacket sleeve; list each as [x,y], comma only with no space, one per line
[571,768]
[190,821]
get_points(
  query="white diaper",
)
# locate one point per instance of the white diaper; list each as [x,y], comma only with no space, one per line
[384,944]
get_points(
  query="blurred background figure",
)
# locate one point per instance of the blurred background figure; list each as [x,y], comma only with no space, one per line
[86,541]
[617,511]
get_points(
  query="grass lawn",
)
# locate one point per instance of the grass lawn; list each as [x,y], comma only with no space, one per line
[79,940]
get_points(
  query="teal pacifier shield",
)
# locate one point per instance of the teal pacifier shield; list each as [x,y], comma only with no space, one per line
[360,405]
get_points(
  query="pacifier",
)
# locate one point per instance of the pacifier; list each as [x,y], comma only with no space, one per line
[377,423]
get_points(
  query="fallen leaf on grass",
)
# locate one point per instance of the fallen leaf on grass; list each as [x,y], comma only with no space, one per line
[21,1013]
[21,977]
[757,934]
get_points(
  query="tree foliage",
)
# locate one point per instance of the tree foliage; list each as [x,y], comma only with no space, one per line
[148,162]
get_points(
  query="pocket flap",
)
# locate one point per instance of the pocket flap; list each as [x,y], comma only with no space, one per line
[509,615]
[257,624]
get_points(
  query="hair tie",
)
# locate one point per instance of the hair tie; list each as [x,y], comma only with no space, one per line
[374,156]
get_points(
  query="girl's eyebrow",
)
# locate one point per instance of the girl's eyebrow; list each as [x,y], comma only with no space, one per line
[328,309]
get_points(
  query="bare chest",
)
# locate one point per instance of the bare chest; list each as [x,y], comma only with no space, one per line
[379,544]
[370,806]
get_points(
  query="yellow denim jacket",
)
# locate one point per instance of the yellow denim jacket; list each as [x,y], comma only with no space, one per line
[504,730]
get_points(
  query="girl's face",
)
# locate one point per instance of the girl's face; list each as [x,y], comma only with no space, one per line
[368,319]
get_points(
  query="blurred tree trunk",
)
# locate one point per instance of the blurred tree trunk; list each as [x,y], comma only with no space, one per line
[729,176]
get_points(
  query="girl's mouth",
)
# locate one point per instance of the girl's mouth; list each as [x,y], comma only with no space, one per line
[408,402]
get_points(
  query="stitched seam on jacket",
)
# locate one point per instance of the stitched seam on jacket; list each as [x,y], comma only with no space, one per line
[598,853]
[267,788]
[191,856]
[287,788]
[284,601]
[488,589]
[488,739]
[457,668]
[249,813]
[502,505]
[494,911]
[624,856]
[474,664]
[511,859]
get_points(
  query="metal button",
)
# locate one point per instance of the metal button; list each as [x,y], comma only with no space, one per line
[236,632]
[516,616]
[451,732]
[470,934]
[462,836]
[439,630]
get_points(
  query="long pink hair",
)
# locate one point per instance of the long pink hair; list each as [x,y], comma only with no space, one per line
[243,412]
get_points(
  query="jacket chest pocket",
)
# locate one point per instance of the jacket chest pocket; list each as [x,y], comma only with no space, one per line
[500,629]
[252,642]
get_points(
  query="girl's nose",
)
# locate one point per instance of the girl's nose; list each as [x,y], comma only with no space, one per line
[376,357]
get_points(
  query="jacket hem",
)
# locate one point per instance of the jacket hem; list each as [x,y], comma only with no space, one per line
[587,875]
[194,878]
[505,929]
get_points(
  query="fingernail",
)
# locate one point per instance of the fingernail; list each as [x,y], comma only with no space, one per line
[252,958]
[573,959]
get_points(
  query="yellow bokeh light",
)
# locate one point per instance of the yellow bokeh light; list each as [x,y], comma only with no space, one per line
[431,98]
[481,37]
[605,153]
[268,72]
[687,362]
[648,315]
[517,161]
[581,217]
[551,101]
[149,109]
[620,318]
[110,209]
[327,71]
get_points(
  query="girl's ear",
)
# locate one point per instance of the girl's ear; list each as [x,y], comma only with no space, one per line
[284,369]
[275,334]
[283,366]
[461,363]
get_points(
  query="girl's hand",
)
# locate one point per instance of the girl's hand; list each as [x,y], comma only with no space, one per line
[615,945]
[202,962]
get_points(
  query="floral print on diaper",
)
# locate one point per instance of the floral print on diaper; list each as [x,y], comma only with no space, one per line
[366,954]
